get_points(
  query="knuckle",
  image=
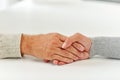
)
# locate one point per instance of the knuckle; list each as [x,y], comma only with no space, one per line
[56,34]
[53,42]
[77,33]
[69,39]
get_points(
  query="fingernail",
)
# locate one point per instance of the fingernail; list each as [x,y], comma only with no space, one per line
[64,44]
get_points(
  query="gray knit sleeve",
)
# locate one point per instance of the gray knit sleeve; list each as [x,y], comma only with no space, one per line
[106,47]
[10,46]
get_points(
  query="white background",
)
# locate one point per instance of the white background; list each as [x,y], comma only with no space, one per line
[92,18]
[6,3]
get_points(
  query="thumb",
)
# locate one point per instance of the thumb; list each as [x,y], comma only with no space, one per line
[67,43]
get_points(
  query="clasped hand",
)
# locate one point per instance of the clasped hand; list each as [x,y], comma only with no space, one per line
[56,47]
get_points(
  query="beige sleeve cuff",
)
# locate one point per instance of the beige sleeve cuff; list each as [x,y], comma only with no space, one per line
[10,46]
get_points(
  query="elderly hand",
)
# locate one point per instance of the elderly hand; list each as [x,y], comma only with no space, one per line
[80,43]
[48,46]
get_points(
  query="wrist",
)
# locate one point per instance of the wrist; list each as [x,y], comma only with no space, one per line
[25,46]
[29,42]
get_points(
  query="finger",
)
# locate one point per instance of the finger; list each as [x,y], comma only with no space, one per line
[62,37]
[83,40]
[63,59]
[62,63]
[74,51]
[78,46]
[47,61]
[84,55]
[59,44]
[67,43]
[55,62]
[67,54]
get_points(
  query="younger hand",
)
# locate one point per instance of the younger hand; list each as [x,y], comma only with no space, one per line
[80,42]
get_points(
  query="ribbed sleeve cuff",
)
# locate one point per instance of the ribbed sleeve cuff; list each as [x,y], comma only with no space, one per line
[106,47]
[10,46]
[92,51]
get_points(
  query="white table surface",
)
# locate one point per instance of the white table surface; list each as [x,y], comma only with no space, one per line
[91,18]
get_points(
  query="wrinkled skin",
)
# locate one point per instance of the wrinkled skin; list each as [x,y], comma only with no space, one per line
[49,47]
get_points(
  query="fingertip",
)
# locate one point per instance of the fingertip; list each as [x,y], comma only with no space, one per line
[47,61]
[55,62]
[61,63]
[64,45]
